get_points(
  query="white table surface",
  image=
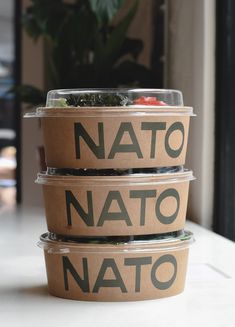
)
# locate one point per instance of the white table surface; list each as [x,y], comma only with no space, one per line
[208,300]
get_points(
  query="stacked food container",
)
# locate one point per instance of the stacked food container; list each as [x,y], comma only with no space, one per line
[115,193]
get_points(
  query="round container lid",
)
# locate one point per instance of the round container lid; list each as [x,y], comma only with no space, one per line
[147,178]
[113,97]
[142,243]
[112,172]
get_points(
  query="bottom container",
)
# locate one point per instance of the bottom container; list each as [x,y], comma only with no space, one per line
[116,268]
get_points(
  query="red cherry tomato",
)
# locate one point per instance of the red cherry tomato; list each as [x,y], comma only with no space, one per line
[149,101]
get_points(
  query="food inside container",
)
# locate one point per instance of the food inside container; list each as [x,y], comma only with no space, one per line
[113,97]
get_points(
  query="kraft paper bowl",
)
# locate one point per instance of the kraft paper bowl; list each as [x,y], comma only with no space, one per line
[116,270]
[132,204]
[126,136]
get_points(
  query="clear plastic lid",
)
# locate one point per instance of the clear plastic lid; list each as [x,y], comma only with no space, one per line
[112,172]
[102,180]
[113,98]
[142,243]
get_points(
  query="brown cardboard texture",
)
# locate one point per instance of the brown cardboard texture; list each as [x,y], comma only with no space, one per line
[115,205]
[123,276]
[115,139]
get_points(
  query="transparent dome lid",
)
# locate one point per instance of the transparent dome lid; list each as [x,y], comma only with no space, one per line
[113,98]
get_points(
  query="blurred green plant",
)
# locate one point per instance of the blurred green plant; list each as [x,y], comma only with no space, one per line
[83,46]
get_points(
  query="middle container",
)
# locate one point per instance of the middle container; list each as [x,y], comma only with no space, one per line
[132,204]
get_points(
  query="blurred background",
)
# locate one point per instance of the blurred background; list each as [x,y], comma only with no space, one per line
[182,44]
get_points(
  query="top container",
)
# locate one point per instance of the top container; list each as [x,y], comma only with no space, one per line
[114,128]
